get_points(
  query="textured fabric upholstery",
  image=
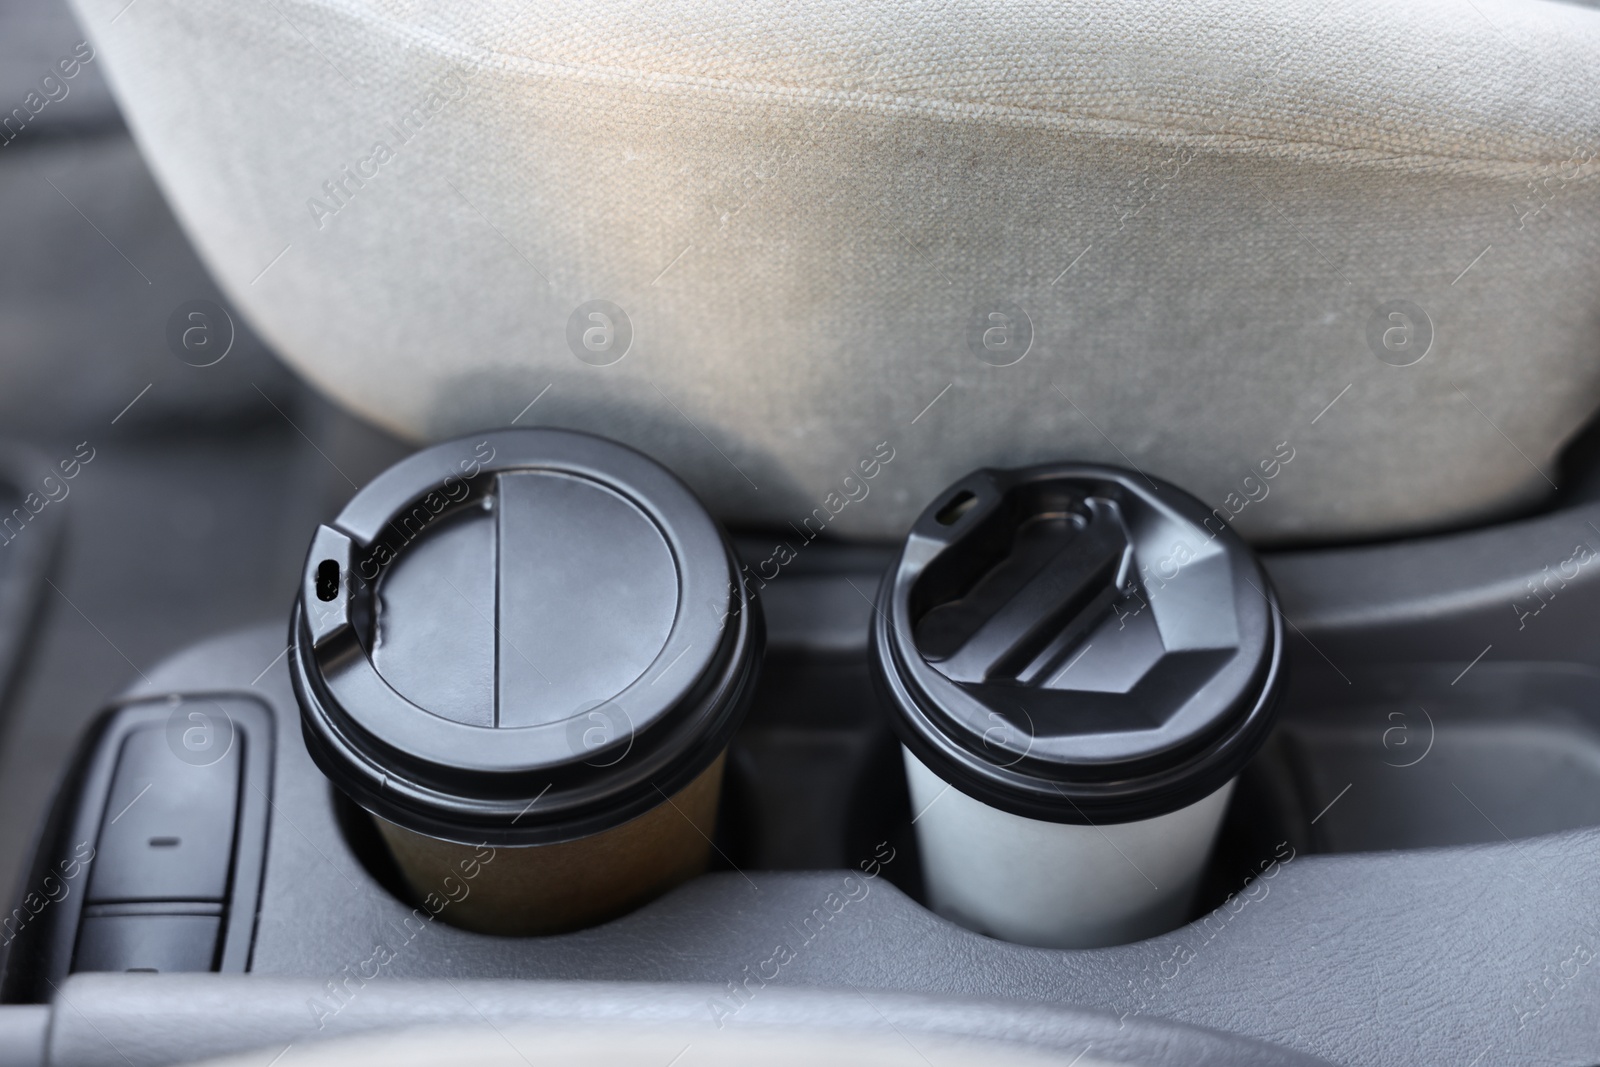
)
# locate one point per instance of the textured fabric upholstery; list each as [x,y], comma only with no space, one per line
[1205,211]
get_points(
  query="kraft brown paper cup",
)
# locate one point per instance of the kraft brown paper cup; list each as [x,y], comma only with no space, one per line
[554,889]
[524,653]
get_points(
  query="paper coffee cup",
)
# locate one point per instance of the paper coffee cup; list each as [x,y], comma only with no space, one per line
[524,654]
[1078,661]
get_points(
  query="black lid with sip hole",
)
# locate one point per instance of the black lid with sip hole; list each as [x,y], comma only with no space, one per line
[521,637]
[1077,644]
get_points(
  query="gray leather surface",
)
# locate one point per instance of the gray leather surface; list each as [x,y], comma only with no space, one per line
[135,1021]
[24,1029]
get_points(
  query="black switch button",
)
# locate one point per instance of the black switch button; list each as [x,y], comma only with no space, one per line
[160,943]
[168,828]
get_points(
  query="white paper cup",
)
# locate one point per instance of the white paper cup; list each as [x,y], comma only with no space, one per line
[1057,885]
[1078,661]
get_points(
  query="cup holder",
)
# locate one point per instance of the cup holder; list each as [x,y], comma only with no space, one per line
[814,781]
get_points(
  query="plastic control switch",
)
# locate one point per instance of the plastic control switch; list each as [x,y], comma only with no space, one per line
[169,824]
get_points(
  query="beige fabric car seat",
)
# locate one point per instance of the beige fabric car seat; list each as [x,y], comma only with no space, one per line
[1199,225]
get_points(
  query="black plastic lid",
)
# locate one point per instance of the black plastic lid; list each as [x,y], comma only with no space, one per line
[521,637]
[1077,644]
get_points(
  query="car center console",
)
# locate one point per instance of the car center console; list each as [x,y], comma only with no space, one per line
[1407,871]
